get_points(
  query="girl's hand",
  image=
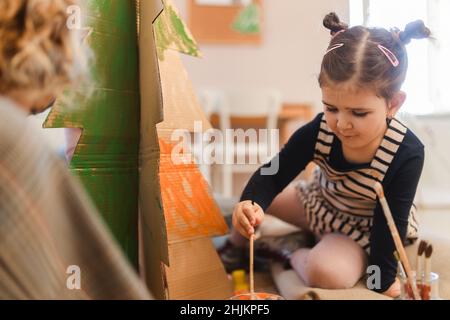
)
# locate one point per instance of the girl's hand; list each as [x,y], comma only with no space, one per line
[246,216]
[394,289]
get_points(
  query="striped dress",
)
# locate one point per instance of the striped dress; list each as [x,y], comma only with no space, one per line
[343,201]
[340,198]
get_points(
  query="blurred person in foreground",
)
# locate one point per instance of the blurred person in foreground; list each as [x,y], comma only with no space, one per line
[53,245]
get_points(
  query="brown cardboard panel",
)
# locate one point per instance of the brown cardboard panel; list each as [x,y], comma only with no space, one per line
[181,106]
[153,225]
[196,271]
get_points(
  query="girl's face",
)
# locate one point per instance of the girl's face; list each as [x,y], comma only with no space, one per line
[358,117]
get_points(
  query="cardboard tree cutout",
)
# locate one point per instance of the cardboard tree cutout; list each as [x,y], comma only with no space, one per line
[192,217]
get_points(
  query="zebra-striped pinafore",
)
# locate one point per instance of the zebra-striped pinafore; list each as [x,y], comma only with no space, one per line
[344,201]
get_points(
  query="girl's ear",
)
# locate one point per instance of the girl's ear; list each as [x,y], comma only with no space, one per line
[395,103]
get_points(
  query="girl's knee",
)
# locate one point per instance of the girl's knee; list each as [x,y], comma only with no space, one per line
[329,276]
[335,263]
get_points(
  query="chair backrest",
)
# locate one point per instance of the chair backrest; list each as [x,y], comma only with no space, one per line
[251,103]
[211,100]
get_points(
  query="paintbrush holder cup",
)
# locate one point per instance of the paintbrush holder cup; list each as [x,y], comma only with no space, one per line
[428,290]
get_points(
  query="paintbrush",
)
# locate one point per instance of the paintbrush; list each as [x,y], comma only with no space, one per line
[427,273]
[252,240]
[419,261]
[396,237]
[252,280]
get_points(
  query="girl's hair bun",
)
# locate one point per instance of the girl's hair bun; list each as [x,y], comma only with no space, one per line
[333,23]
[414,30]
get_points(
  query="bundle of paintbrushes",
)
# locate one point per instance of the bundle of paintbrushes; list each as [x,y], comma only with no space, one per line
[424,279]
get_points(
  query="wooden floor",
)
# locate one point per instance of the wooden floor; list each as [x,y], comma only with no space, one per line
[264,283]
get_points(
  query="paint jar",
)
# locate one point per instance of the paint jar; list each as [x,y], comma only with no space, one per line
[427,291]
[257,296]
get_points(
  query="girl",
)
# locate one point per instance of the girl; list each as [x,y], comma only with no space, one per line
[355,142]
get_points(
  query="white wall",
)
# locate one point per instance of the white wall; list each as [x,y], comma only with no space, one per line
[288,59]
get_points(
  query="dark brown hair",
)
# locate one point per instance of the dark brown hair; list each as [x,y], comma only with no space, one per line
[360,62]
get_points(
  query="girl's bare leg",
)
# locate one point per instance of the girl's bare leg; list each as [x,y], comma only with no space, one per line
[336,262]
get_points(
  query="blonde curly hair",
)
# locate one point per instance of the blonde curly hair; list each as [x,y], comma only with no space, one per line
[39,54]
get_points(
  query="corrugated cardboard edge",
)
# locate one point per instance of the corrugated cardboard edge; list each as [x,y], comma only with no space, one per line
[153,226]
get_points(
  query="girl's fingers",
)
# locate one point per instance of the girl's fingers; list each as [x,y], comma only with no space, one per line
[246,216]
[245,224]
[259,215]
[246,231]
[243,227]
[249,213]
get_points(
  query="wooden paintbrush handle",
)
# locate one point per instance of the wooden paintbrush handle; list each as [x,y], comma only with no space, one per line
[399,245]
[252,280]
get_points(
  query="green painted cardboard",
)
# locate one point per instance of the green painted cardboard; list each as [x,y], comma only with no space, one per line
[106,158]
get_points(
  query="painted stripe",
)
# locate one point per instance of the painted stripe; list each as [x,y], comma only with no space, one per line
[362,188]
[353,203]
[344,209]
[396,136]
[398,126]
[392,147]
[378,165]
[377,158]
[325,137]
[386,157]
[368,178]
[350,204]
[354,192]
[323,148]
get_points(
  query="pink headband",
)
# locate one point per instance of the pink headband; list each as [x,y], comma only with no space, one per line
[388,53]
